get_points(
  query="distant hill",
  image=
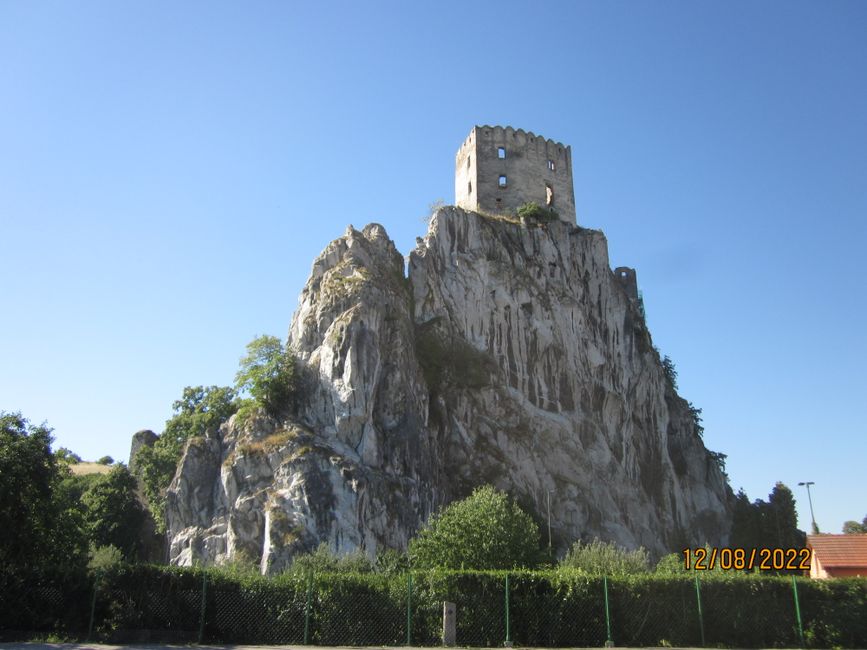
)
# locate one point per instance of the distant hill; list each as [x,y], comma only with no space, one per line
[80,469]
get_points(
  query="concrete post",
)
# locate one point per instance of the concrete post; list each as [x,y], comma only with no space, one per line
[449,617]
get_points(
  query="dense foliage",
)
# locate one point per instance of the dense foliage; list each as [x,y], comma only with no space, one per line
[36,528]
[487,530]
[546,608]
[534,212]
[771,523]
[854,528]
[267,373]
[606,559]
[113,515]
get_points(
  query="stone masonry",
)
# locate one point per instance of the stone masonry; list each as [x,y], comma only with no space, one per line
[499,169]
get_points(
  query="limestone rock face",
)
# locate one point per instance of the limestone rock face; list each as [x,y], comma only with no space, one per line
[510,355]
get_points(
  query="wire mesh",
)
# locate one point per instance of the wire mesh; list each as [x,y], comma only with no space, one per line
[543,609]
[660,613]
[256,613]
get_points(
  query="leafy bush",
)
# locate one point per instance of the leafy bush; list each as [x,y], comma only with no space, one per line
[324,560]
[606,559]
[534,212]
[487,530]
[104,557]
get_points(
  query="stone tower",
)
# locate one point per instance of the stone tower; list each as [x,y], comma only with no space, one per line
[499,169]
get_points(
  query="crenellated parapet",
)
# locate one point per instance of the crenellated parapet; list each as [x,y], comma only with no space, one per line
[498,169]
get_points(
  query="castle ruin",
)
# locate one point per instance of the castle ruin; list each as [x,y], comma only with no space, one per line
[499,169]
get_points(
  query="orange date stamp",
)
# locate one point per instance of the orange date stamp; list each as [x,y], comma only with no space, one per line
[744,559]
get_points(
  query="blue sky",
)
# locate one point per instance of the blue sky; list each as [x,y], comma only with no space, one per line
[169,171]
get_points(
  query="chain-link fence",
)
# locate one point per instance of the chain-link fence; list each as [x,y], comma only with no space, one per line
[543,609]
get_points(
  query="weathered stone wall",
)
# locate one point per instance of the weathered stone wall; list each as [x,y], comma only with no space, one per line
[534,168]
[627,279]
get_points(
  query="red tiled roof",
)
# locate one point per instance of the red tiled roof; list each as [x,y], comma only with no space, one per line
[839,550]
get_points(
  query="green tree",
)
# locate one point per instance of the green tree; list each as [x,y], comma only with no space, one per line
[106,460]
[487,530]
[267,373]
[670,371]
[854,528]
[112,513]
[36,530]
[766,524]
[782,519]
[64,455]
[606,559]
[200,412]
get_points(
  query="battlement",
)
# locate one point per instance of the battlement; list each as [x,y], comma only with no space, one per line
[498,169]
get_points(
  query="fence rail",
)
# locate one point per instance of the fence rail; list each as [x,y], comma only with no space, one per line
[546,609]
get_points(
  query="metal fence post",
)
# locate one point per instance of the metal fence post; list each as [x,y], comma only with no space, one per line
[698,601]
[508,629]
[204,605]
[93,606]
[798,610]
[409,609]
[609,643]
[307,608]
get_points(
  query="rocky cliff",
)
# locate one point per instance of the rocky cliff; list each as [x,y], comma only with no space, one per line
[510,355]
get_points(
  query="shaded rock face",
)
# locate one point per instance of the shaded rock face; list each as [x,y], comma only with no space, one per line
[143,438]
[509,356]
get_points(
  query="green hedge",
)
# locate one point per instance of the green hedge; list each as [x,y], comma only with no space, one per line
[550,608]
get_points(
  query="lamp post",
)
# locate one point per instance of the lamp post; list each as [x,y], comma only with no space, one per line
[810,499]
[549,525]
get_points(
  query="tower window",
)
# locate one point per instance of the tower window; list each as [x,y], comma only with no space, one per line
[549,194]
[468,161]
[470,187]
[501,152]
[551,165]
[502,181]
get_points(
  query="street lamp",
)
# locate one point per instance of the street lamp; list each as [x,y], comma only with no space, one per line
[549,525]
[810,499]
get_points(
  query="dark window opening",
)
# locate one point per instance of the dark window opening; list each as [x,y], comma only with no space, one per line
[468,162]
[470,187]
[501,152]
[551,165]
[502,181]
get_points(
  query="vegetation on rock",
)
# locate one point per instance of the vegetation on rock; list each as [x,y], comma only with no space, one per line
[534,212]
[267,373]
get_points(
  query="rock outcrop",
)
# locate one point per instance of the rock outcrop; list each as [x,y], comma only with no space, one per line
[510,355]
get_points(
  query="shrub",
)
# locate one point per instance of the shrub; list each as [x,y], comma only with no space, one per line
[605,558]
[324,560]
[487,530]
[534,212]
